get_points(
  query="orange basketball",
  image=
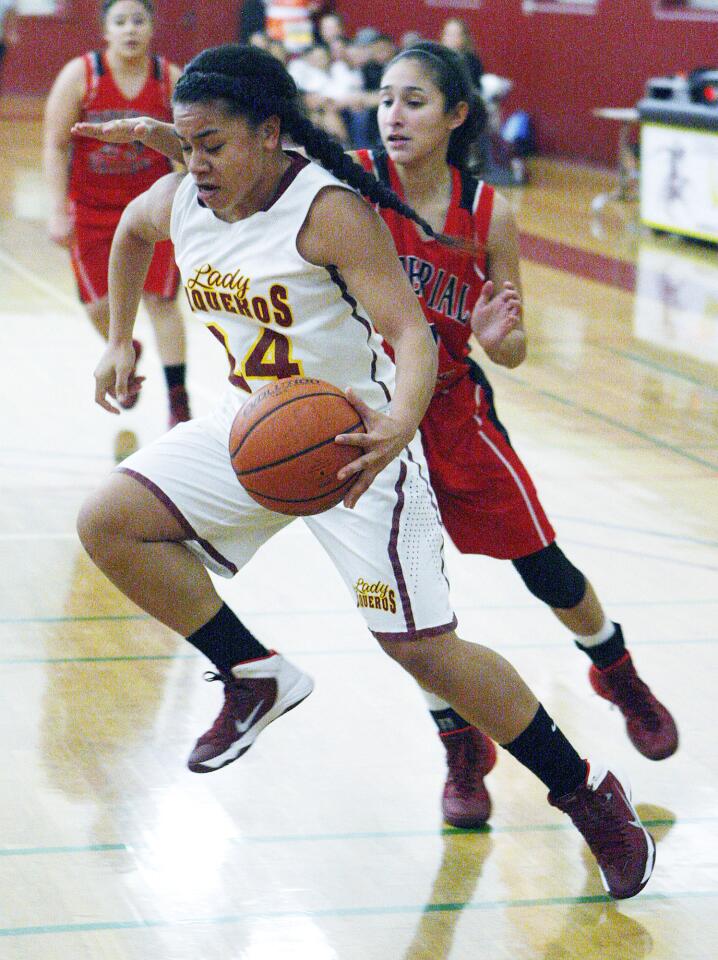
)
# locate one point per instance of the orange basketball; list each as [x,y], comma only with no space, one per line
[282,445]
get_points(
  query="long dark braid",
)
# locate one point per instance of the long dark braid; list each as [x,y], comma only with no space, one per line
[255,85]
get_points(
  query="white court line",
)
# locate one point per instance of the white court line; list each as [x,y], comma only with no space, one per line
[76,308]
[40,284]
[5,537]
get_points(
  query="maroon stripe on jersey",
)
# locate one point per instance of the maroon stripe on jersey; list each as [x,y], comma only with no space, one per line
[394,552]
[424,634]
[411,633]
[296,165]
[339,280]
[435,505]
[191,533]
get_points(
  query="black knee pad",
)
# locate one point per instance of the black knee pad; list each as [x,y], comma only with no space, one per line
[551,577]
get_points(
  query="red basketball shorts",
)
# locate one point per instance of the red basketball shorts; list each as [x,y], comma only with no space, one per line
[90,254]
[487,499]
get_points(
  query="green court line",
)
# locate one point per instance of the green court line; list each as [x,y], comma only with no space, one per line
[603,418]
[451,831]
[349,610]
[357,835]
[351,652]
[658,367]
[47,851]
[98,618]
[411,909]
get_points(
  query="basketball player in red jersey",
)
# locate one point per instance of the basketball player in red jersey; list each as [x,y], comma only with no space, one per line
[92,183]
[429,121]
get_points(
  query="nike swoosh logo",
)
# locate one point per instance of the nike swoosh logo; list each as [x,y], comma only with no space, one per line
[244,725]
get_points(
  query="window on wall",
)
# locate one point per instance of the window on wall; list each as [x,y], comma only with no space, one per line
[560,6]
[686,9]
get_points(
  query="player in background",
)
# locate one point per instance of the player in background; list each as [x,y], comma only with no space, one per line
[429,118]
[301,239]
[92,183]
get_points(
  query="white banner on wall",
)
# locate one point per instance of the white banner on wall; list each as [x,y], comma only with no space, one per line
[679,180]
[559,6]
[37,8]
[675,302]
[454,4]
[690,10]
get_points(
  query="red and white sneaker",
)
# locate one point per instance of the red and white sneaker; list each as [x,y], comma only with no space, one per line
[256,693]
[650,727]
[601,810]
[179,406]
[132,398]
[470,756]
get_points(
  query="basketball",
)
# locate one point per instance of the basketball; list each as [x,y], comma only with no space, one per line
[282,445]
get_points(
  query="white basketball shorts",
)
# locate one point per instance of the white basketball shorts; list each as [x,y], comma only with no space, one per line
[388,549]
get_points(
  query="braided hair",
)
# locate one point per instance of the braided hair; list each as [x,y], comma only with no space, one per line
[255,85]
[450,76]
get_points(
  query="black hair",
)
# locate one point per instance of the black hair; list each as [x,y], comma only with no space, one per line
[255,85]
[106,4]
[450,75]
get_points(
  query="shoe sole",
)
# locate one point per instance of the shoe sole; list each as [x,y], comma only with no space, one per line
[650,844]
[650,864]
[229,756]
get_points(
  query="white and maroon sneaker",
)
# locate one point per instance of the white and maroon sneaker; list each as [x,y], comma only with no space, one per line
[255,693]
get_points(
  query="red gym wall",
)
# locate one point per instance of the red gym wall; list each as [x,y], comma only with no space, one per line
[562,65]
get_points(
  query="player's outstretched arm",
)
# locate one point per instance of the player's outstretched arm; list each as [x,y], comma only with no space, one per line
[156,134]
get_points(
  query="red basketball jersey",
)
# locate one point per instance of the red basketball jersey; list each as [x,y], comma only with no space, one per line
[104,177]
[447,281]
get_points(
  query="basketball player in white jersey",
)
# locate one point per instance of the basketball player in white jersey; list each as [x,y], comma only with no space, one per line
[294,273]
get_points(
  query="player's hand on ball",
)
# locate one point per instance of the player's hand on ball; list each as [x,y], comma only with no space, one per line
[115,377]
[384,439]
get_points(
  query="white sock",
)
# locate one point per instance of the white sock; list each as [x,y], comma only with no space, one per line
[435,703]
[593,640]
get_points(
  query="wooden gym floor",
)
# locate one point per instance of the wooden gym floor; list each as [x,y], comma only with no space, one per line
[326,841]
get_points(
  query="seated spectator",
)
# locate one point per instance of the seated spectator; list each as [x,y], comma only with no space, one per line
[331,27]
[409,38]
[251,20]
[311,73]
[290,22]
[456,35]
[371,51]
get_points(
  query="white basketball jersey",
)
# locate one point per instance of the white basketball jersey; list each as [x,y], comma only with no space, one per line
[276,314]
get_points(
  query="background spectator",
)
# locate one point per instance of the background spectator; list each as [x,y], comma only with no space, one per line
[251,19]
[290,22]
[455,35]
[8,26]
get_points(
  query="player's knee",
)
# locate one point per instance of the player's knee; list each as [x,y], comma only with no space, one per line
[90,526]
[421,658]
[103,518]
[552,578]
